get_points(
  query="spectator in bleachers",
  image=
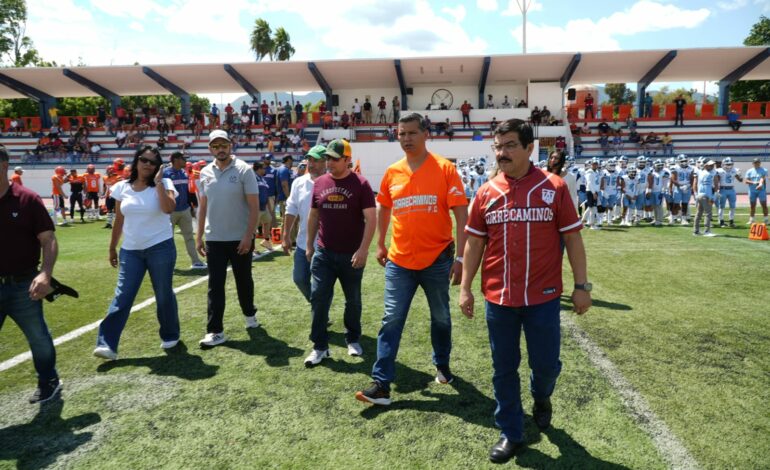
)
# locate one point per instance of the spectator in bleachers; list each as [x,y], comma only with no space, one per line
[604,143]
[367,111]
[335,120]
[259,141]
[121,115]
[396,103]
[245,110]
[264,109]
[285,121]
[287,111]
[534,116]
[577,142]
[229,113]
[465,109]
[490,102]
[732,120]
[647,105]
[356,116]
[679,102]
[650,142]
[630,123]
[429,126]
[344,120]
[299,112]
[506,104]
[299,128]
[615,126]
[522,104]
[245,120]
[573,128]
[493,125]
[101,115]
[603,128]
[586,129]
[617,141]
[322,107]
[253,111]
[449,129]
[589,106]
[328,120]
[381,114]
[214,115]
[545,115]
[668,144]
[390,134]
[161,142]
[634,137]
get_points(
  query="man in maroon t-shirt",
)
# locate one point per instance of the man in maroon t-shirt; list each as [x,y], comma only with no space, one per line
[589,105]
[519,221]
[342,214]
[27,228]
[465,109]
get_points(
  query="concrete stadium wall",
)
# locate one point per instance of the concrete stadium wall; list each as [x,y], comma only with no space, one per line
[546,94]
[374,94]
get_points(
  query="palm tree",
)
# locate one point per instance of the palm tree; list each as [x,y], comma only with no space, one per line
[273,46]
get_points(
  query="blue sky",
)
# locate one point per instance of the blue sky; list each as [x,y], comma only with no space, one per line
[103,32]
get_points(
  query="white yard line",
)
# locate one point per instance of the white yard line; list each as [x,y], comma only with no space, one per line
[14,361]
[669,446]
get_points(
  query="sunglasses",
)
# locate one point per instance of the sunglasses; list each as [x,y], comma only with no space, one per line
[149,161]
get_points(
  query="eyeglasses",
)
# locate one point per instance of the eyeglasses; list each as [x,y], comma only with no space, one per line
[220,146]
[148,161]
[507,147]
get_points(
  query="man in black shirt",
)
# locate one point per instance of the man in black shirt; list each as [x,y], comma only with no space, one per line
[679,102]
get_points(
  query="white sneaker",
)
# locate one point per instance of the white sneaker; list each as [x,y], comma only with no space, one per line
[105,352]
[198,265]
[251,322]
[354,349]
[751,221]
[709,233]
[684,222]
[169,344]
[315,357]
[212,339]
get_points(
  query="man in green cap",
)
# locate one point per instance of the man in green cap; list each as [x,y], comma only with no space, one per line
[298,207]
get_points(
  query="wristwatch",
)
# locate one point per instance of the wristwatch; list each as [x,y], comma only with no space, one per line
[588,287]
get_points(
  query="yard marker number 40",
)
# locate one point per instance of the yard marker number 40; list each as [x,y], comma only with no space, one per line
[758,232]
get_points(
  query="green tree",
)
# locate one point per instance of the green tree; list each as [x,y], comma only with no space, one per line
[619,93]
[16,48]
[273,46]
[665,95]
[754,90]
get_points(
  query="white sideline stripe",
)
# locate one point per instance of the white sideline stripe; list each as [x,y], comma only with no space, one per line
[670,447]
[16,360]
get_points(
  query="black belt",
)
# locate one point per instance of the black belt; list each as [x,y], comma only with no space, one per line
[17,278]
[726,187]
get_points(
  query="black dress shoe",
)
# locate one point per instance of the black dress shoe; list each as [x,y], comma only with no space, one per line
[541,414]
[504,450]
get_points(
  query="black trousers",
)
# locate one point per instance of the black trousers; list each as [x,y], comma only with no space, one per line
[219,254]
[76,197]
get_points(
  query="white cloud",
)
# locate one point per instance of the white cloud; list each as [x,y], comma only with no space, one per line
[732,5]
[515,10]
[136,26]
[765,4]
[486,5]
[458,12]
[601,35]
[138,9]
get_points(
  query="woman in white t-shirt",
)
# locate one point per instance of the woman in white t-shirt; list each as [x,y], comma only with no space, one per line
[143,205]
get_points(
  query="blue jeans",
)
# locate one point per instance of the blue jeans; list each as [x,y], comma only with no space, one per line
[400,287]
[326,267]
[301,273]
[541,329]
[159,260]
[28,314]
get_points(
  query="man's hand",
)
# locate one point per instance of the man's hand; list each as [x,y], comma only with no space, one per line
[358,260]
[581,301]
[466,302]
[309,253]
[286,243]
[113,257]
[200,247]
[40,287]
[245,244]
[382,255]
[456,273]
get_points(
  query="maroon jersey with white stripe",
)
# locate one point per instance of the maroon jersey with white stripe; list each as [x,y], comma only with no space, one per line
[522,221]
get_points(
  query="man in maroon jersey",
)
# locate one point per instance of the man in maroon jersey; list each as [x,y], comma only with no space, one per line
[519,221]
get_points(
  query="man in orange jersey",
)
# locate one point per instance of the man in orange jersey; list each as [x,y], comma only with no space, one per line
[418,192]
[110,179]
[93,186]
[16,176]
[77,184]
[57,194]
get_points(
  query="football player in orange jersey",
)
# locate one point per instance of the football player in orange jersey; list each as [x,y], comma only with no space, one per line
[93,183]
[16,176]
[110,179]
[58,195]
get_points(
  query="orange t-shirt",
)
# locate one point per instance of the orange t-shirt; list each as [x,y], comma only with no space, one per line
[192,181]
[55,187]
[420,204]
[109,182]
[92,182]
[16,178]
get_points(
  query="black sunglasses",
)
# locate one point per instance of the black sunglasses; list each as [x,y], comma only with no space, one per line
[149,161]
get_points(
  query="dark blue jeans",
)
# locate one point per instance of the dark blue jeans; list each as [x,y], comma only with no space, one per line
[301,272]
[542,331]
[28,314]
[326,267]
[400,286]
[159,260]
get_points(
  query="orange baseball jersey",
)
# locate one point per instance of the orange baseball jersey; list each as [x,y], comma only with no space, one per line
[16,179]
[54,186]
[92,182]
[420,203]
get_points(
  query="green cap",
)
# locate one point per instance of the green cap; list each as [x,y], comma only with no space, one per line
[316,152]
[339,148]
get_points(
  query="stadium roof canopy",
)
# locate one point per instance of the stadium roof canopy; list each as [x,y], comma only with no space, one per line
[709,64]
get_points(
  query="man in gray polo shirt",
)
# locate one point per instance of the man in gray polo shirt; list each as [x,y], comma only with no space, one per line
[228,198]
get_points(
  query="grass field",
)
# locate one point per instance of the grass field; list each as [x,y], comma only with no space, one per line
[683,319]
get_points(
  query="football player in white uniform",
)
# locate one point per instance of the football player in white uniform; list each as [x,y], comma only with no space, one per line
[609,189]
[593,186]
[681,186]
[727,176]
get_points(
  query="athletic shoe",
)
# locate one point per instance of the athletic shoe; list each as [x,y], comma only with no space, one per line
[375,394]
[199,265]
[105,352]
[315,357]
[354,349]
[658,224]
[696,233]
[251,322]
[732,224]
[721,223]
[46,391]
[213,339]
[169,344]
[709,233]
[751,221]
[444,375]
[684,222]
[541,414]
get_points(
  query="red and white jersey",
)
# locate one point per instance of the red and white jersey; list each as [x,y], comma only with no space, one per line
[522,221]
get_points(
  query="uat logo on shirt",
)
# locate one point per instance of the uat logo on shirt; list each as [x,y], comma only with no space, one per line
[548,195]
[336,198]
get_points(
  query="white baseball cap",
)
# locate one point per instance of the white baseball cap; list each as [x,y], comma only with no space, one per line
[18,168]
[218,134]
